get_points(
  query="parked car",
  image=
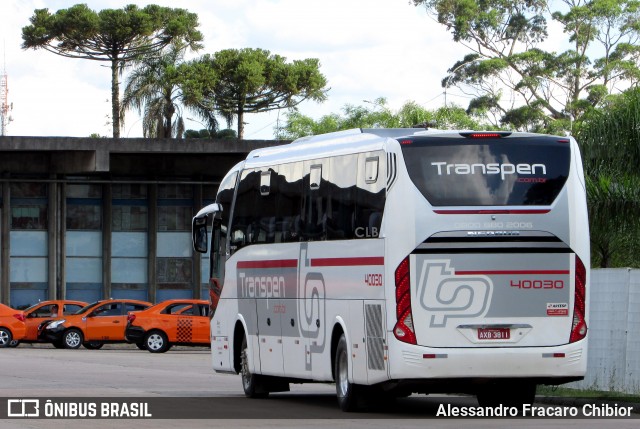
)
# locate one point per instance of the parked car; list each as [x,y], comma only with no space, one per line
[183,322]
[47,310]
[12,326]
[96,324]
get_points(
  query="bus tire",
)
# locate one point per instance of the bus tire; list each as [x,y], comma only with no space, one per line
[345,391]
[252,384]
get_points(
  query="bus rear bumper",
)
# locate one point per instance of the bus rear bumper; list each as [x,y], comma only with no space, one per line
[545,365]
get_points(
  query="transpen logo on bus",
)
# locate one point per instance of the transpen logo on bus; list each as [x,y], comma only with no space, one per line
[503,169]
[447,295]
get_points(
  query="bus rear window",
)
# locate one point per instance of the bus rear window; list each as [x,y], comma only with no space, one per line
[517,171]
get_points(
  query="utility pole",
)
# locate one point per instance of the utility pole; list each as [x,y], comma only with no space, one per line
[5,106]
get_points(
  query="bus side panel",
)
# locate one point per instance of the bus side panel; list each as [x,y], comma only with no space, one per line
[343,276]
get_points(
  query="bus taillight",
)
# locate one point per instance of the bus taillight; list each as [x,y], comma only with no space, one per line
[579,326]
[404,326]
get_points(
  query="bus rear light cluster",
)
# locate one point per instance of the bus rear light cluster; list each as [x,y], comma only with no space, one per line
[404,330]
[579,325]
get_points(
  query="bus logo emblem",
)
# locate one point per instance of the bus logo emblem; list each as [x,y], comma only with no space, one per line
[447,295]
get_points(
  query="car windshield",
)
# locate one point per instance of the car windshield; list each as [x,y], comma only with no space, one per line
[87,307]
[26,310]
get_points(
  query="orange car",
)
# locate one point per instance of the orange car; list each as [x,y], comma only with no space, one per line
[96,324]
[182,322]
[12,326]
[47,310]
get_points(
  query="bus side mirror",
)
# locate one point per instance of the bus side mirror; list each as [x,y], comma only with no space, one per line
[199,233]
[200,236]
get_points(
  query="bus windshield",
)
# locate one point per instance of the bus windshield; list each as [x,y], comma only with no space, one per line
[518,171]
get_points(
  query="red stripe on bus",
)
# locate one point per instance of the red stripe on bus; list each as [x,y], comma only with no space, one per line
[513,272]
[347,262]
[276,263]
[468,212]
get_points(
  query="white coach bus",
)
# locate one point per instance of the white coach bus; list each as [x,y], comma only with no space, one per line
[399,261]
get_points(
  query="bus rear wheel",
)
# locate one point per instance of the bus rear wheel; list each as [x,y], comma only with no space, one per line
[251,383]
[345,391]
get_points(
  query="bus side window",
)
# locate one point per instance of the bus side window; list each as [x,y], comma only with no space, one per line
[267,208]
[341,211]
[289,201]
[316,201]
[243,230]
[370,196]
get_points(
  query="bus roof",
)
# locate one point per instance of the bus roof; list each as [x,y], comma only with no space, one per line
[319,146]
[356,140]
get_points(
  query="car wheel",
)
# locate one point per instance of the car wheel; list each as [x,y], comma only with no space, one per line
[93,345]
[14,343]
[156,342]
[141,346]
[58,345]
[5,337]
[251,383]
[345,391]
[72,339]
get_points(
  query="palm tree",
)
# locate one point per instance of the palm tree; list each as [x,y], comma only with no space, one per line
[153,89]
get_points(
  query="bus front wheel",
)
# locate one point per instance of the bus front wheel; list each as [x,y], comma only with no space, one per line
[251,383]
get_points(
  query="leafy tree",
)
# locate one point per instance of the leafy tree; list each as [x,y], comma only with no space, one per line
[551,88]
[234,82]
[610,145]
[197,134]
[226,134]
[117,36]
[153,89]
[378,115]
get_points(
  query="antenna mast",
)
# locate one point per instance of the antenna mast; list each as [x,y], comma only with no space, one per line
[5,106]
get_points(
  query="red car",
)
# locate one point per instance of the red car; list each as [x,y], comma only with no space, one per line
[12,326]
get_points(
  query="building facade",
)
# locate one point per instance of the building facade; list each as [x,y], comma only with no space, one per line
[88,219]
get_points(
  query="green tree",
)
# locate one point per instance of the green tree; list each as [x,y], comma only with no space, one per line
[610,145]
[117,36]
[504,38]
[378,115]
[153,89]
[226,134]
[233,82]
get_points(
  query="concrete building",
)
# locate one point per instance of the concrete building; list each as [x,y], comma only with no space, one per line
[87,219]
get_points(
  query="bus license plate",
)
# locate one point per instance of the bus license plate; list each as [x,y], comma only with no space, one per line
[494,333]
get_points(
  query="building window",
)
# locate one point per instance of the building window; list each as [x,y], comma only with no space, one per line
[175,272]
[175,207]
[84,207]
[130,207]
[29,206]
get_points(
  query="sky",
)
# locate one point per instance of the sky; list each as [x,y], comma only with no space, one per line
[367,49]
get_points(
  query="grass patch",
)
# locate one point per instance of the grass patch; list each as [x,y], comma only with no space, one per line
[585,393]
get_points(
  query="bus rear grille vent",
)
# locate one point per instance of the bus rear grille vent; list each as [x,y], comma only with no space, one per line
[375,341]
